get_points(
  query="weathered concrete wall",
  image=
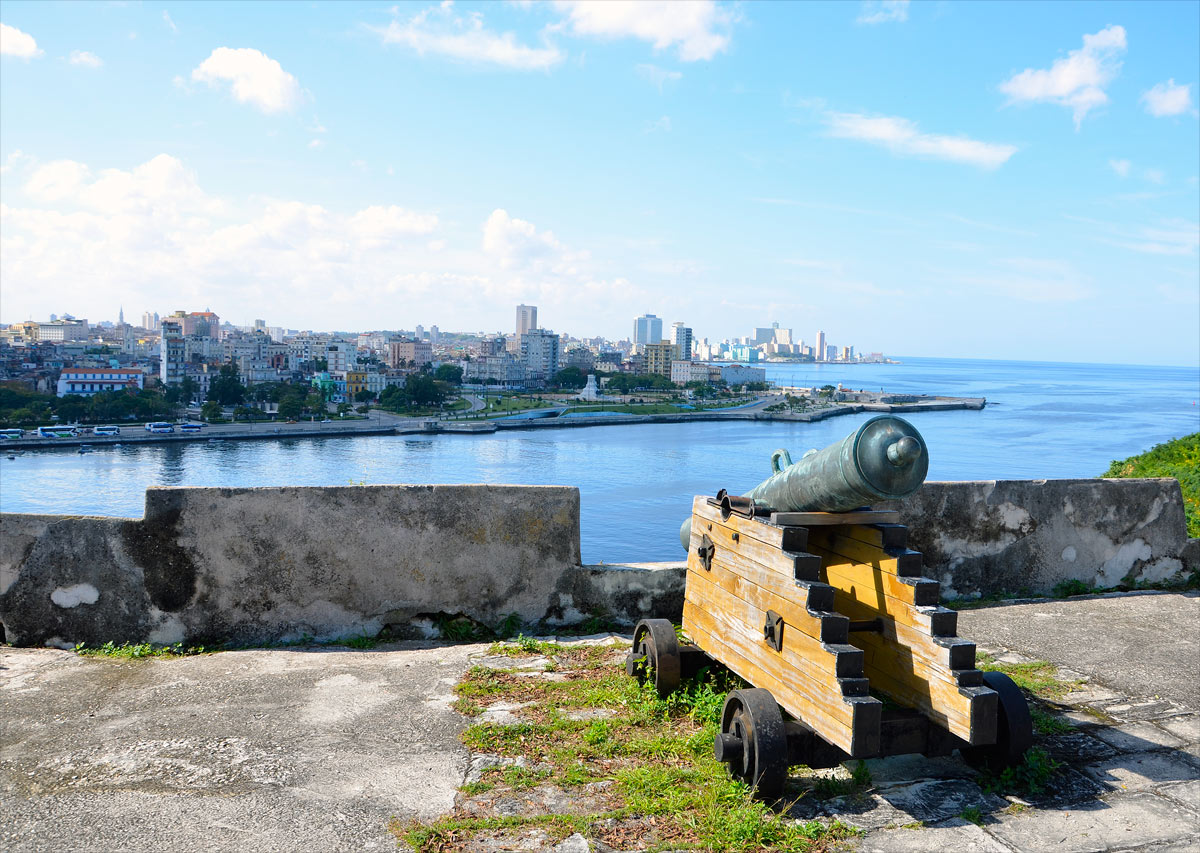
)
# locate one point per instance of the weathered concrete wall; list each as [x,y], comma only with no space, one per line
[1009,536]
[260,565]
[257,565]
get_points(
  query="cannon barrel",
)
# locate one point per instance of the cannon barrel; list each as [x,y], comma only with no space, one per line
[884,459]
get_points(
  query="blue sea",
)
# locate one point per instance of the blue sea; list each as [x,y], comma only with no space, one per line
[1042,420]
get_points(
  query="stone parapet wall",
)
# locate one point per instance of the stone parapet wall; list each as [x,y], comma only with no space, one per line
[996,537]
[265,565]
[268,565]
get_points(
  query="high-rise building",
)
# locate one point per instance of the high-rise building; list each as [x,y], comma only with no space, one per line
[540,353]
[172,352]
[681,337]
[526,319]
[434,334]
[819,348]
[647,329]
[150,321]
[340,356]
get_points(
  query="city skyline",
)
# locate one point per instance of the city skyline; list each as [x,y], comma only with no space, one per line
[991,181]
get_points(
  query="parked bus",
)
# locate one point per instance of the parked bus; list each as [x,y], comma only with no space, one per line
[107,430]
[56,432]
[153,425]
[162,428]
[191,427]
[6,434]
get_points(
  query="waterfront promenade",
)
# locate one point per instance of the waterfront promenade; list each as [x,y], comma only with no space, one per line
[380,422]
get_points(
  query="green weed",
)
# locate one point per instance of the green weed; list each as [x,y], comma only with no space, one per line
[1031,776]
[133,651]
[1049,724]
[973,815]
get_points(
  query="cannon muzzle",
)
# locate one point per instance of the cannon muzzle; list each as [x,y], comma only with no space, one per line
[884,459]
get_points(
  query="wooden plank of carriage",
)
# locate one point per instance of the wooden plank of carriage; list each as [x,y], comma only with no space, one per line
[782,538]
[850,723]
[805,606]
[830,543]
[804,654]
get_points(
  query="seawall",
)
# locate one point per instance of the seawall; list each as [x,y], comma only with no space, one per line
[276,564]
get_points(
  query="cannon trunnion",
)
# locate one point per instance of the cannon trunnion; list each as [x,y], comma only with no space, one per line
[818,611]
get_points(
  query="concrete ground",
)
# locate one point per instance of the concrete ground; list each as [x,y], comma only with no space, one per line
[265,750]
[317,749]
[1143,643]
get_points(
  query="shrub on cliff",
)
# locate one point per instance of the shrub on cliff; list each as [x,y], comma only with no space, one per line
[1178,458]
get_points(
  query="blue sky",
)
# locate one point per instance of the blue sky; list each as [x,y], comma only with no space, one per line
[993,180]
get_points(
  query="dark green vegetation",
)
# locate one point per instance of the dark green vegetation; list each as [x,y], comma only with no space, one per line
[1178,458]
[638,769]
[20,407]
[132,651]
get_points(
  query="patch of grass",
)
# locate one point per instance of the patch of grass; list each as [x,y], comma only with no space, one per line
[827,788]
[1178,458]
[134,651]
[662,788]
[361,641]
[1016,808]
[1066,589]
[973,815]
[1049,724]
[1038,678]
[1031,776]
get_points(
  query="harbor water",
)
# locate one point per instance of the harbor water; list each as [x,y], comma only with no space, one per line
[637,480]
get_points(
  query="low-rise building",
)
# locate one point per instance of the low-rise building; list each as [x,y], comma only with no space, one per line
[737,374]
[410,353]
[683,372]
[86,381]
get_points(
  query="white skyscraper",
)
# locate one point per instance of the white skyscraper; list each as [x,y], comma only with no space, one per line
[681,337]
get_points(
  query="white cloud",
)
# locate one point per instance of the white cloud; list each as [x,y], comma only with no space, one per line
[658,77]
[316,143]
[14,161]
[1031,280]
[1155,176]
[1121,167]
[698,29]
[1179,294]
[662,125]
[82,57]
[1077,81]
[254,77]
[377,225]
[14,42]
[167,20]
[518,243]
[1168,237]
[438,30]
[883,11]
[902,137]
[1168,99]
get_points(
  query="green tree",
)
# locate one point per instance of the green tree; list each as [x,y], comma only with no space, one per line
[188,388]
[72,408]
[451,373]
[211,410]
[226,388]
[364,396]
[570,377]
[290,408]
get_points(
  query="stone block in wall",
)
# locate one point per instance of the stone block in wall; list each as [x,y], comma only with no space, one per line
[261,565]
[619,592]
[997,537]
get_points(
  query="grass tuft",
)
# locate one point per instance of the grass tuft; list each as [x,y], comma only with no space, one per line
[133,651]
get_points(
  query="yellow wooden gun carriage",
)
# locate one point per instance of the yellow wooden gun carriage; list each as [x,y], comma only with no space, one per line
[819,610]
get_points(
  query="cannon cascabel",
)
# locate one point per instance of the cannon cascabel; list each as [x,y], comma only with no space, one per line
[884,459]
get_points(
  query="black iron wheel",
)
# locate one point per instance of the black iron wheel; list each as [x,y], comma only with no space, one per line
[655,655]
[1014,728]
[752,742]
